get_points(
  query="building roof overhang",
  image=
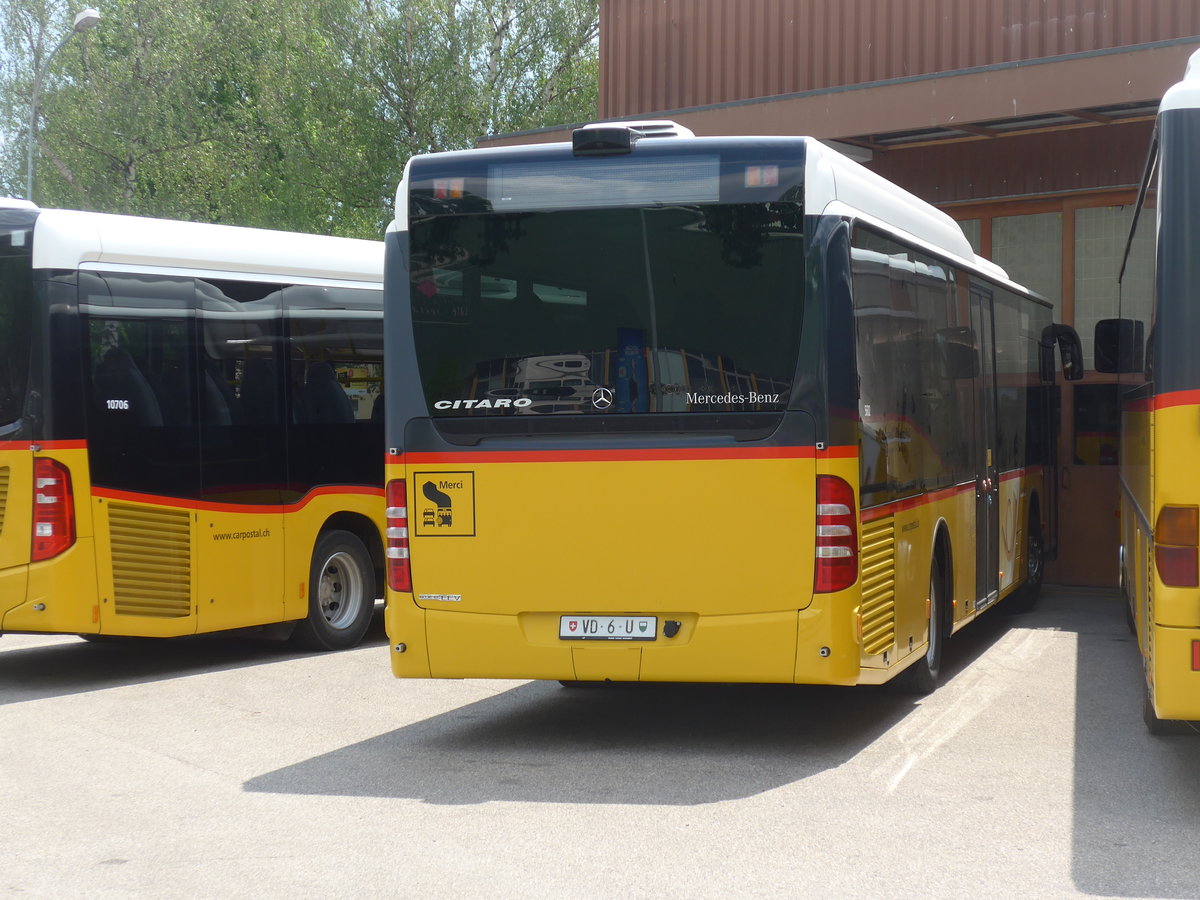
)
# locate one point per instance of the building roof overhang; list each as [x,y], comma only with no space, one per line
[1078,90]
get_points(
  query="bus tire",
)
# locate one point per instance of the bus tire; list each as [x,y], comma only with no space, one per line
[341,594]
[922,676]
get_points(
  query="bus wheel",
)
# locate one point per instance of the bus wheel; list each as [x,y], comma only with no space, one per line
[922,676]
[341,594]
[1035,566]
[1035,556]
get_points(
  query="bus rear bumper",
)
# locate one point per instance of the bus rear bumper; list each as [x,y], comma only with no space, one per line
[1176,673]
[778,647]
[48,594]
[404,623]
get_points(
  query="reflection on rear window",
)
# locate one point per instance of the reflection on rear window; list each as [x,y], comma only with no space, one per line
[670,309]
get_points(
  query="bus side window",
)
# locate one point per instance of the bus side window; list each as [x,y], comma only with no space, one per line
[1119,346]
[122,387]
[326,399]
[220,406]
[338,377]
[1148,369]
[258,397]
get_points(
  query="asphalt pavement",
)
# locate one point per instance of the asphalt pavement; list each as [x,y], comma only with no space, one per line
[233,766]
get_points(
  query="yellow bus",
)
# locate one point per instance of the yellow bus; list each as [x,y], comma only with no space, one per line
[817,437]
[1153,348]
[189,434]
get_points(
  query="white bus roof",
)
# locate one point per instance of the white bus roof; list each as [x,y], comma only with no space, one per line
[837,185]
[834,185]
[1184,94]
[67,239]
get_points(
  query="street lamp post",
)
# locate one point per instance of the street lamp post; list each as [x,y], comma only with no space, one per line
[83,22]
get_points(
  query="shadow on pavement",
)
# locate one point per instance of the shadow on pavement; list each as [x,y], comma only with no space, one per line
[626,744]
[77,666]
[1137,796]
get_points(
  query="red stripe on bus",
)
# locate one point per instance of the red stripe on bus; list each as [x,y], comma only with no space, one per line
[888,509]
[1017,473]
[1176,398]
[43,445]
[250,508]
[632,455]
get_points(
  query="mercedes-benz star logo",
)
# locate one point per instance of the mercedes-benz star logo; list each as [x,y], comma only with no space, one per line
[602,398]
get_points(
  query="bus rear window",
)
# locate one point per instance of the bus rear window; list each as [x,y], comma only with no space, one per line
[687,308]
[16,318]
[564,184]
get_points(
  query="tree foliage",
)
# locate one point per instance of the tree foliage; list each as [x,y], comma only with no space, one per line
[277,114]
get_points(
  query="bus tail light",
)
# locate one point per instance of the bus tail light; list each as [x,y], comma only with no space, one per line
[837,535]
[53,509]
[1177,546]
[1196,656]
[399,571]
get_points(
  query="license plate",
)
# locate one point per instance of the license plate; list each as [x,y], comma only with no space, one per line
[608,628]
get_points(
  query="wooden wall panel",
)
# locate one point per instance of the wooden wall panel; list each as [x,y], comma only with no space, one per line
[658,55]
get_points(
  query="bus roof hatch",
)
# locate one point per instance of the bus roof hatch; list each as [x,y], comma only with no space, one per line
[613,138]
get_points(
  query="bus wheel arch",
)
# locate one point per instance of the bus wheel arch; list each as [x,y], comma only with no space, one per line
[1034,553]
[1127,588]
[367,532]
[343,585]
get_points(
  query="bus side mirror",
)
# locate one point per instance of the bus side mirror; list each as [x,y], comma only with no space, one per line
[1069,347]
[1120,346]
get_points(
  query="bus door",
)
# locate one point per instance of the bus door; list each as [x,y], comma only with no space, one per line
[987,477]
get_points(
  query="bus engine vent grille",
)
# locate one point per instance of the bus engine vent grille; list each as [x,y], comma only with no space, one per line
[152,561]
[3,494]
[878,585]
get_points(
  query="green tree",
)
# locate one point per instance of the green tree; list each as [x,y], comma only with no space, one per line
[278,114]
[451,71]
[28,31]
